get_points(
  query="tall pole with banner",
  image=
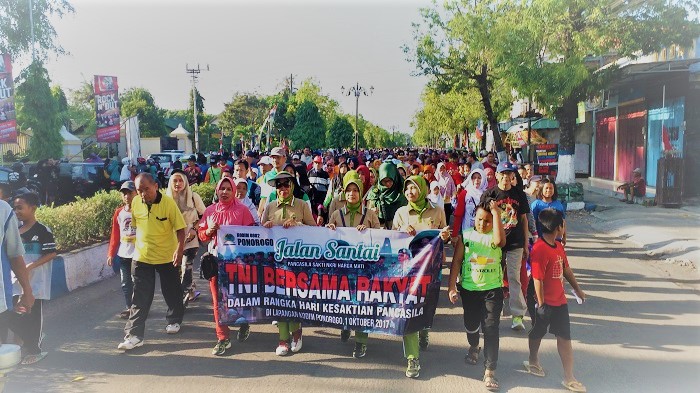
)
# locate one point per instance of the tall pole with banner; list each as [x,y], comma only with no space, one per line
[107,109]
[8,119]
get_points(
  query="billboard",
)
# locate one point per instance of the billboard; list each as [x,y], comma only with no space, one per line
[107,108]
[8,119]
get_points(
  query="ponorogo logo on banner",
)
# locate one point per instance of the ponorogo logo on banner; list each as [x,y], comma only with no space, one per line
[375,281]
[8,119]
[107,108]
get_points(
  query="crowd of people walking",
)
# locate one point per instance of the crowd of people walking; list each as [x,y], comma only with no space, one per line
[507,228]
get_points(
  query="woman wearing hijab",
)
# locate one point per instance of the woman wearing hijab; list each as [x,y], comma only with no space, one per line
[287,211]
[447,188]
[491,181]
[419,214]
[389,196]
[354,215]
[371,191]
[365,176]
[191,207]
[434,195]
[335,198]
[468,199]
[227,211]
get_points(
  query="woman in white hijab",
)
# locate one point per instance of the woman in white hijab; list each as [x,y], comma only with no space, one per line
[467,200]
[191,207]
[434,195]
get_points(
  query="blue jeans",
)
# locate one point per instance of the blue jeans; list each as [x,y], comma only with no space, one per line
[127,282]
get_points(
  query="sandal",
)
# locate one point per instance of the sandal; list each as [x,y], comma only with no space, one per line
[472,356]
[491,382]
[574,386]
[534,369]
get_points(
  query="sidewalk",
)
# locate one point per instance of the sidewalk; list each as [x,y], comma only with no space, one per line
[667,234]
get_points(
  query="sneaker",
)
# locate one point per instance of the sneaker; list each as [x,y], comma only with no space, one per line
[172,328]
[423,339]
[243,332]
[282,348]
[517,323]
[33,358]
[413,369]
[360,350]
[124,314]
[130,342]
[344,335]
[221,347]
[296,341]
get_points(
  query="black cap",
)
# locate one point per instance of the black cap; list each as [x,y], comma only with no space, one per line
[250,153]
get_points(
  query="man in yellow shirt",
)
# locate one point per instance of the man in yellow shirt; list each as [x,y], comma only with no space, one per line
[160,241]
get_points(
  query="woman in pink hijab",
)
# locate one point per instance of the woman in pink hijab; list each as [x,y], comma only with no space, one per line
[227,211]
[490,178]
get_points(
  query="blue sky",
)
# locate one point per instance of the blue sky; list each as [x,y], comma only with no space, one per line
[249,46]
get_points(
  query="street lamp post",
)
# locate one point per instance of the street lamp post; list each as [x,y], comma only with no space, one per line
[358,91]
[194,72]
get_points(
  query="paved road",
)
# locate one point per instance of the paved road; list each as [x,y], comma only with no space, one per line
[639,332]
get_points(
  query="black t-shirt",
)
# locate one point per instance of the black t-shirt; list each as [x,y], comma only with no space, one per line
[512,203]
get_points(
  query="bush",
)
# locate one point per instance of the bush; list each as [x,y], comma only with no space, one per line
[83,222]
[206,191]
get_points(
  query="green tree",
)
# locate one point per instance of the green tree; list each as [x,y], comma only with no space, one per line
[340,133]
[62,107]
[446,114]
[243,115]
[310,90]
[37,109]
[15,29]
[139,102]
[81,108]
[457,43]
[309,129]
[546,54]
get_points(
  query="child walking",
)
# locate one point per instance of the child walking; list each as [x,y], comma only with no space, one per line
[39,252]
[481,286]
[549,268]
[122,243]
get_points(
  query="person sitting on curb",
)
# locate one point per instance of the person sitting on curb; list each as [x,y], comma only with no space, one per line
[635,188]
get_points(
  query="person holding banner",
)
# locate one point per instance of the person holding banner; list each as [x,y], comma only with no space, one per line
[478,259]
[417,216]
[287,211]
[354,215]
[388,198]
[227,211]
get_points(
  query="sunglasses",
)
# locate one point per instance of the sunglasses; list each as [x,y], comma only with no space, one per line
[282,184]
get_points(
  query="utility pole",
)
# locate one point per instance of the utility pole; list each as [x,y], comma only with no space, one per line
[358,91]
[194,72]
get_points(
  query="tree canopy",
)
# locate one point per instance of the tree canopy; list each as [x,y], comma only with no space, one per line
[139,102]
[309,129]
[38,109]
[15,29]
[548,53]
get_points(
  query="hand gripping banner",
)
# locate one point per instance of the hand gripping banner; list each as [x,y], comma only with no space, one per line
[375,281]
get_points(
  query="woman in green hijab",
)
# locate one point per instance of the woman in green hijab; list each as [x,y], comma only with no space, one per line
[418,215]
[354,215]
[389,196]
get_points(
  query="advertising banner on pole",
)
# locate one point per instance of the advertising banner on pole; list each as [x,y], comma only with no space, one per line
[8,119]
[547,158]
[107,108]
[375,281]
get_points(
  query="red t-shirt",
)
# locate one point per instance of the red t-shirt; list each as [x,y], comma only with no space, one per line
[548,264]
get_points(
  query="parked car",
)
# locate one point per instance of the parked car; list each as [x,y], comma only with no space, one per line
[81,179]
[16,180]
[166,158]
